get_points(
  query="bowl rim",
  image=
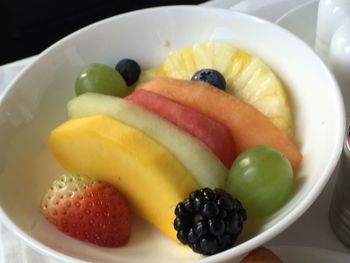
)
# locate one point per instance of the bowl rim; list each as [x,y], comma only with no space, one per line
[251,243]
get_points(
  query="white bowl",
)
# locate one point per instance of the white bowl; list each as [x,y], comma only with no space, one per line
[35,103]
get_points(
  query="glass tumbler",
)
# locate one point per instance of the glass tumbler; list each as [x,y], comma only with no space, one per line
[339,211]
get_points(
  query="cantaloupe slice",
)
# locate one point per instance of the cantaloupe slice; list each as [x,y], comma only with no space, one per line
[149,176]
[247,126]
[198,160]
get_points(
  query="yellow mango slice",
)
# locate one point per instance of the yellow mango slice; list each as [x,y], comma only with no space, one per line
[149,176]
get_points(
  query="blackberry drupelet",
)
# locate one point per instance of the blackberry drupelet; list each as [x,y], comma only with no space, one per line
[209,221]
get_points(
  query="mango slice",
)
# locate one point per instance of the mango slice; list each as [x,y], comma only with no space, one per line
[149,176]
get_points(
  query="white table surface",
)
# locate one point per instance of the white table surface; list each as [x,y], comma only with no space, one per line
[310,230]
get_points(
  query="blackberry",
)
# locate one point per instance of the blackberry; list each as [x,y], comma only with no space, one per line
[209,221]
[129,69]
[210,76]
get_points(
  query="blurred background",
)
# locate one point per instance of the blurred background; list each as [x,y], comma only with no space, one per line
[29,27]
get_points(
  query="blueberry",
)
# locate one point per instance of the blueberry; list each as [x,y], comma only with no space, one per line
[129,69]
[210,76]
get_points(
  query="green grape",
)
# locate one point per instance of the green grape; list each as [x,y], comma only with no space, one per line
[102,79]
[262,179]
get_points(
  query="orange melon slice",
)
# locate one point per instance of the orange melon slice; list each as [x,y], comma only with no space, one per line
[248,126]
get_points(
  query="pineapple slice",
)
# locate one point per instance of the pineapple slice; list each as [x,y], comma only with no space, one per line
[247,77]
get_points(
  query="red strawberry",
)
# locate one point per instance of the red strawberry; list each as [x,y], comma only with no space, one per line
[87,209]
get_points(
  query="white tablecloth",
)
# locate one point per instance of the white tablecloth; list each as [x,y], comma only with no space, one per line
[311,230]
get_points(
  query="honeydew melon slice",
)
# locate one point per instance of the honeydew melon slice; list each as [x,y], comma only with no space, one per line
[197,158]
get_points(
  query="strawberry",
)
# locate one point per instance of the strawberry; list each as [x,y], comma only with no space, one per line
[88,210]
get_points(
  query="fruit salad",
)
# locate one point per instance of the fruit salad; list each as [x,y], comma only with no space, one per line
[195,146]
